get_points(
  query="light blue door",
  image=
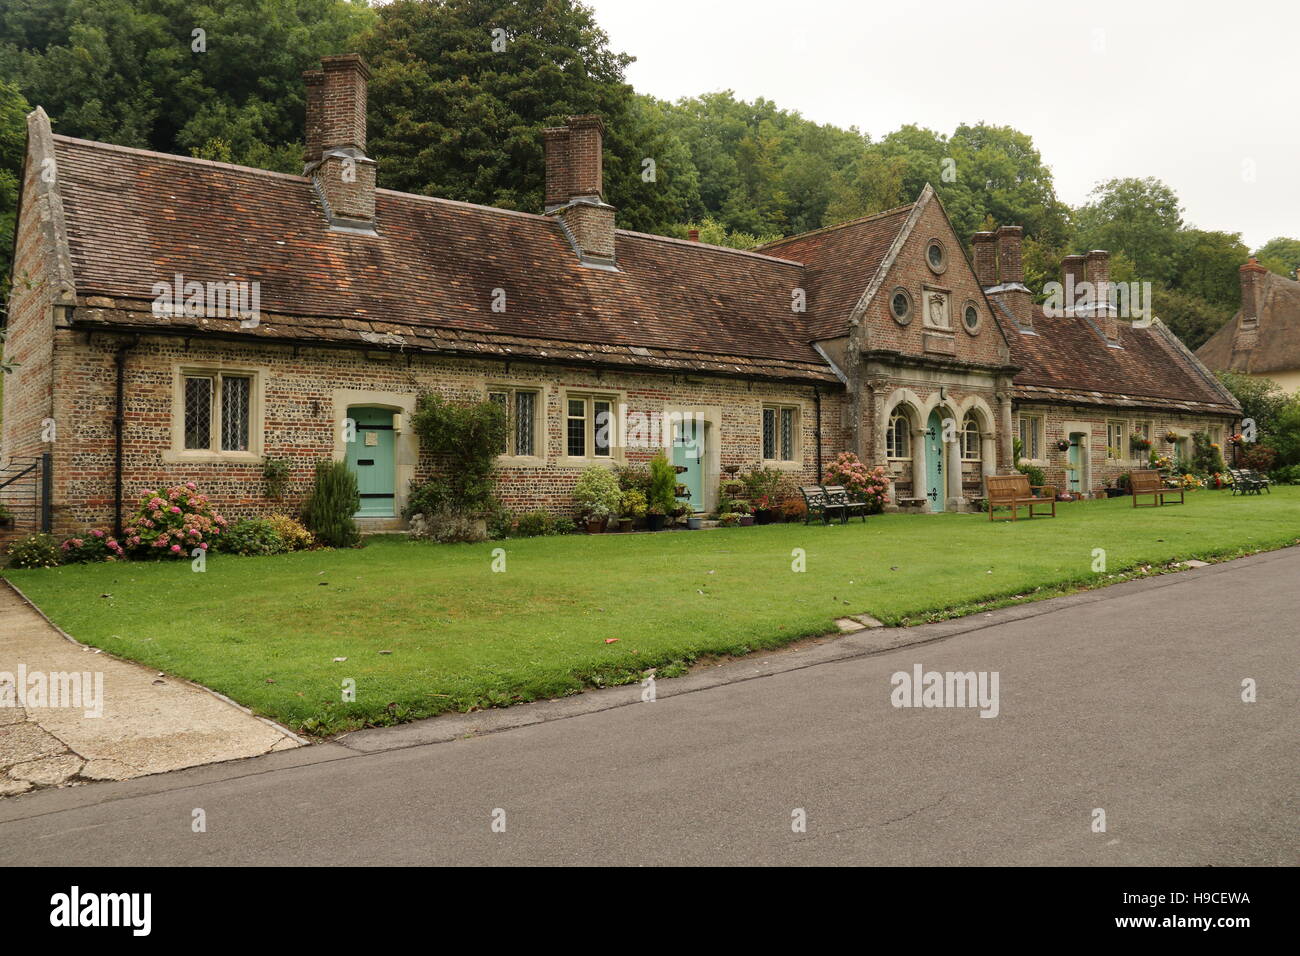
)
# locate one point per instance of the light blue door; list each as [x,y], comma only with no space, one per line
[688,452]
[934,463]
[371,457]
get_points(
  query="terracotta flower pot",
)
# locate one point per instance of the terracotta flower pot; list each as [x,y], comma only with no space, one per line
[595,525]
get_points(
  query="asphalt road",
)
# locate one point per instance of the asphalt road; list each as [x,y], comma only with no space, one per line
[1126,700]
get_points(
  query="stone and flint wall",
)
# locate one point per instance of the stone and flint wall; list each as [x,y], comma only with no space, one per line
[1103,471]
[303,390]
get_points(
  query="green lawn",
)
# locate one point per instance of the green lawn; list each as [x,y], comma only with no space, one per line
[265,631]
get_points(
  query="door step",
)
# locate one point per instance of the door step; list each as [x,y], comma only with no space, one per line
[381,525]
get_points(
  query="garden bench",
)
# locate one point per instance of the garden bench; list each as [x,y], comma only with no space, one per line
[1261,480]
[839,496]
[1152,483]
[1013,491]
[820,503]
[1243,481]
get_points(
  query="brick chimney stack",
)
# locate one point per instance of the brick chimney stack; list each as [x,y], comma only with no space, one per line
[336,158]
[1251,274]
[575,187]
[1072,274]
[1099,275]
[984,245]
[1018,300]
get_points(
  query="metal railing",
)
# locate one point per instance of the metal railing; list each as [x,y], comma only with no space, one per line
[25,492]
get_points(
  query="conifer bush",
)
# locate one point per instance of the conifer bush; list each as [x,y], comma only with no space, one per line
[334,501]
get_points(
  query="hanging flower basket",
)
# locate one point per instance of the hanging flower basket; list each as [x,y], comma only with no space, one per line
[1062,445]
[1171,437]
[1139,442]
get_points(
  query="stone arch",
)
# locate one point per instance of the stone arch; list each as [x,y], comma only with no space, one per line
[988,430]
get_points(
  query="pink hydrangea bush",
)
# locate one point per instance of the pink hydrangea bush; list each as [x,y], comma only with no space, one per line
[869,484]
[172,522]
[95,545]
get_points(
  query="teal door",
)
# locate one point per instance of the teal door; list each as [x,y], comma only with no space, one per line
[934,463]
[688,451]
[1077,462]
[371,458]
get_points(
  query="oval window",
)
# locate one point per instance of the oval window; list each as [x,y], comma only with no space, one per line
[936,256]
[901,304]
[971,318]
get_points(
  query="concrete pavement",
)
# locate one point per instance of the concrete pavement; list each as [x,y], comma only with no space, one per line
[126,720]
[1126,700]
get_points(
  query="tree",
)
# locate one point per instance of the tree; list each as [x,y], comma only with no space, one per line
[135,73]
[1280,255]
[1139,217]
[13,137]
[462,89]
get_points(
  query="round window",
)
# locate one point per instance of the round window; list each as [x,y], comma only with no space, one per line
[936,256]
[901,305]
[971,318]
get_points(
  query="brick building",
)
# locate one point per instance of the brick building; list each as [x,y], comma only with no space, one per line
[176,319]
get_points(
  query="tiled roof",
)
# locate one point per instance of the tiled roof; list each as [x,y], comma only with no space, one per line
[1067,359]
[1277,337]
[840,262]
[136,218]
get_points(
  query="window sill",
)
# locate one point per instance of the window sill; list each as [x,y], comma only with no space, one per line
[572,461]
[782,464]
[519,461]
[174,457]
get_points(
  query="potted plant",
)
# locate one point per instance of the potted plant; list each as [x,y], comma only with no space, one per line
[633,506]
[694,522]
[662,499]
[597,497]
[745,511]
[1062,445]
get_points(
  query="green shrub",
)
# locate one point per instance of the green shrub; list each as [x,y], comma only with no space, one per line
[534,524]
[500,524]
[1288,475]
[34,551]
[333,502]
[275,472]
[633,478]
[251,536]
[597,494]
[565,526]
[465,439]
[662,499]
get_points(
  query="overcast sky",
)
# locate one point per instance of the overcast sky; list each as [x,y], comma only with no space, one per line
[1203,95]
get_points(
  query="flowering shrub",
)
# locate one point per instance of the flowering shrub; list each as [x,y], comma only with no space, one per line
[871,484]
[171,522]
[251,536]
[291,532]
[1190,482]
[34,551]
[96,545]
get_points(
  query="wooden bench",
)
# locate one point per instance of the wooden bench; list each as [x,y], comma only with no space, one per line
[819,503]
[839,497]
[1013,491]
[1143,483]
